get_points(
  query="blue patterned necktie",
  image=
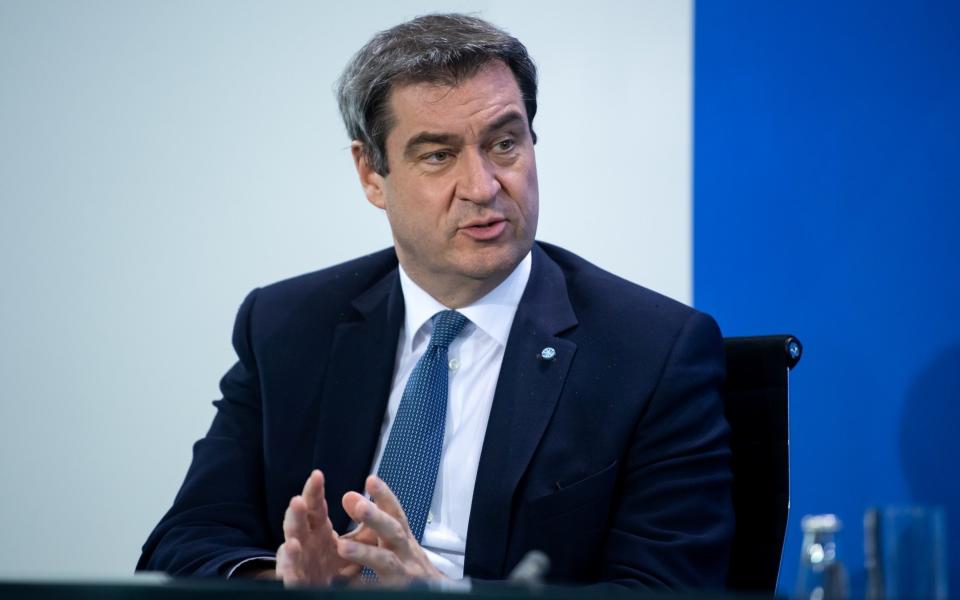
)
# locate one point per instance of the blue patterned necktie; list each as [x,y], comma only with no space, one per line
[411,458]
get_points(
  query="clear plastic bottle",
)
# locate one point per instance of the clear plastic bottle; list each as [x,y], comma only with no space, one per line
[821,575]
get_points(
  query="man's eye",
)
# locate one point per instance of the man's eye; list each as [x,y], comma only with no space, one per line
[505,145]
[441,156]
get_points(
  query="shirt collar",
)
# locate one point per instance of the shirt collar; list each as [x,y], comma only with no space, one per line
[493,313]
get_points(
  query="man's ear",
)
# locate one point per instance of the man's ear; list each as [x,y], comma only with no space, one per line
[372,182]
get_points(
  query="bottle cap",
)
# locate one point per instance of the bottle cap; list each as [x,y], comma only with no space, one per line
[821,524]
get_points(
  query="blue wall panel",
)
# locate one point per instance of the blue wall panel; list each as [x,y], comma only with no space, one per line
[827,204]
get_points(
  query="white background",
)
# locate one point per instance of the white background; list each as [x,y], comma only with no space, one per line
[160,159]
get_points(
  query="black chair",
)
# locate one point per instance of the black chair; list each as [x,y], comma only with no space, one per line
[758,370]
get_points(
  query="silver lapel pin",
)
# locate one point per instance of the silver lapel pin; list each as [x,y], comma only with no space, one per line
[548,353]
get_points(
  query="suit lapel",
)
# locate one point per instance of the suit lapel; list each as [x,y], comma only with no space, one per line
[356,390]
[525,398]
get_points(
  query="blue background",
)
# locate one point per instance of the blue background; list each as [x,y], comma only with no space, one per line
[826,190]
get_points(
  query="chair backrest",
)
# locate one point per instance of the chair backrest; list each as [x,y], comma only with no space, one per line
[756,406]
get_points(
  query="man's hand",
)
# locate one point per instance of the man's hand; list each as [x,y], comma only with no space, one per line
[396,556]
[308,555]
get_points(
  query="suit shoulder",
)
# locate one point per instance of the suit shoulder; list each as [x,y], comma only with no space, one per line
[324,294]
[595,290]
[616,317]
[348,279]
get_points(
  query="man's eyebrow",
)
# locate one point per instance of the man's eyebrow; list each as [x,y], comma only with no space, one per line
[449,139]
[510,118]
[426,137]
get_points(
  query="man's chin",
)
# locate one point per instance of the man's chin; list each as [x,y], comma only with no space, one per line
[493,266]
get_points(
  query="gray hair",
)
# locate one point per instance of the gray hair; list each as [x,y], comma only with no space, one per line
[444,49]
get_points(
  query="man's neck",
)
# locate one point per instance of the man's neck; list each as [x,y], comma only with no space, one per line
[459,293]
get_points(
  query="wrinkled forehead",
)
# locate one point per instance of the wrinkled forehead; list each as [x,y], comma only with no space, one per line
[488,92]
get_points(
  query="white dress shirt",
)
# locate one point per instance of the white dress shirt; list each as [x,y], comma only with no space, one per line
[474,357]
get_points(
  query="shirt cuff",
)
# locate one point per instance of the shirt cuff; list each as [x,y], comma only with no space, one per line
[267,559]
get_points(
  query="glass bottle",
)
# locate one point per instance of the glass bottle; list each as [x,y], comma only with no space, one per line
[821,575]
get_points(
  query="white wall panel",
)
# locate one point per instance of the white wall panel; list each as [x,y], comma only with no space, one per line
[159,159]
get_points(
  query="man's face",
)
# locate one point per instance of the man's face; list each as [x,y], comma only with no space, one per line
[461,193]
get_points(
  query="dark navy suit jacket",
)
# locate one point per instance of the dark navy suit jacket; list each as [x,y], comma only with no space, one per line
[612,458]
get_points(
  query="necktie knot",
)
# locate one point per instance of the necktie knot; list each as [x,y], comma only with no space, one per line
[447,325]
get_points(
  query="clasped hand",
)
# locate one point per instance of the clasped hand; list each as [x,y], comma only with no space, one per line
[313,554]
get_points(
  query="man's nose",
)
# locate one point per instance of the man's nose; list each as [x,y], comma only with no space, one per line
[478,178]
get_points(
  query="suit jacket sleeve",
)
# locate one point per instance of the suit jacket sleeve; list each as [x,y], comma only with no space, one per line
[218,517]
[672,524]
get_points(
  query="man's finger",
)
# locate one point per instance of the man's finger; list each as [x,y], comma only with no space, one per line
[385,563]
[349,502]
[393,534]
[295,520]
[289,562]
[282,564]
[351,570]
[284,568]
[313,495]
[386,499]
[362,535]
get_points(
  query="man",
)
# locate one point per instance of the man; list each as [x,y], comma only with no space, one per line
[441,408]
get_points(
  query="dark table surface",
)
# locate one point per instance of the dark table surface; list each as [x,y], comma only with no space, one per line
[192,589]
